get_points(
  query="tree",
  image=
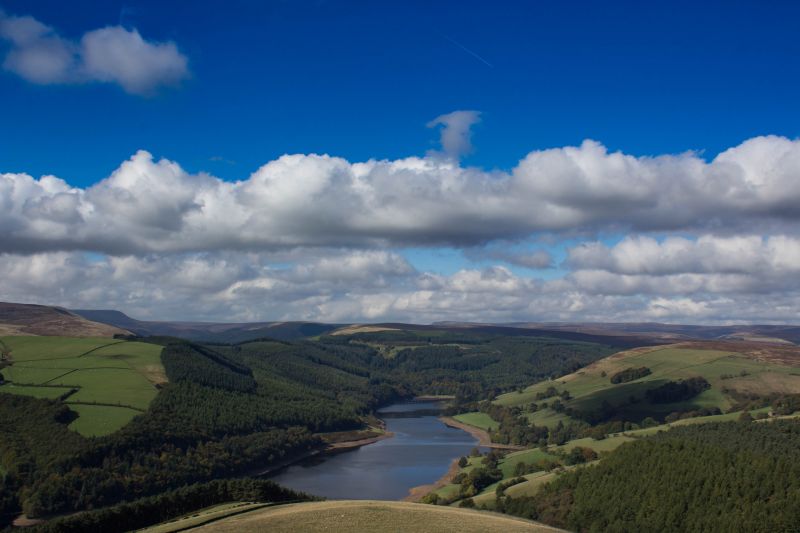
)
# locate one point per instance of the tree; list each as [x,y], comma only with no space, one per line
[649,422]
[431,498]
[468,503]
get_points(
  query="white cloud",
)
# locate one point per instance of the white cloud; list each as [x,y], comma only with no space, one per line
[337,285]
[112,54]
[456,132]
[315,237]
[741,254]
[319,200]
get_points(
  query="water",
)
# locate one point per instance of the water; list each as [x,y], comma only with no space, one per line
[420,452]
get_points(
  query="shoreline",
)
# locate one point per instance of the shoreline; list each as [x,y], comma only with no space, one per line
[433,398]
[349,444]
[415,494]
[483,437]
[335,447]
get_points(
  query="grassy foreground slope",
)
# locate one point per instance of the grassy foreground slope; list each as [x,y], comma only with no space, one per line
[368,516]
[106,382]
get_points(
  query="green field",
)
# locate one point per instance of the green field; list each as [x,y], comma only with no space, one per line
[98,420]
[479,420]
[507,466]
[591,386]
[369,516]
[528,488]
[508,463]
[112,380]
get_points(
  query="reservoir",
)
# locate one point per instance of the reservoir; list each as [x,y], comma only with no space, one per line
[420,452]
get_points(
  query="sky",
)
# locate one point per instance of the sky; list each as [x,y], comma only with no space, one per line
[402,161]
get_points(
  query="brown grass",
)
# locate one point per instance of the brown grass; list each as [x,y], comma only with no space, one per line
[777,354]
[23,319]
[766,381]
[155,374]
[370,516]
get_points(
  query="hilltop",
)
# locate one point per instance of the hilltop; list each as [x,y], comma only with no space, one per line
[364,515]
[28,319]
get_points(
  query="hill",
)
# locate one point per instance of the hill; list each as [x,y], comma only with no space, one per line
[611,389]
[722,477]
[396,330]
[367,516]
[28,319]
[770,333]
[225,332]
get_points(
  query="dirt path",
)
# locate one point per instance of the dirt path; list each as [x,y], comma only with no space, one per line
[480,434]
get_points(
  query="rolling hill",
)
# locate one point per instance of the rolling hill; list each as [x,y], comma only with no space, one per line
[780,334]
[27,319]
[732,370]
[224,332]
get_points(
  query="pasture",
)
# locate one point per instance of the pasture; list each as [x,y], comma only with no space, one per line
[479,420]
[106,382]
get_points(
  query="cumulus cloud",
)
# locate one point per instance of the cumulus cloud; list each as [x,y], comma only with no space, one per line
[455,130]
[150,205]
[337,285]
[644,255]
[316,237]
[112,54]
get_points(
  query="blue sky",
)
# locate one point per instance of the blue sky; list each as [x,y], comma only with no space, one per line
[361,80]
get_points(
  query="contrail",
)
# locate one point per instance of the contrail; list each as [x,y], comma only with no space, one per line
[470,52]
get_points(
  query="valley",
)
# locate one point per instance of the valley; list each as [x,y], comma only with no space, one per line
[509,420]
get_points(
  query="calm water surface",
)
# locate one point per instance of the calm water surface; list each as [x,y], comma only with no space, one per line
[419,453]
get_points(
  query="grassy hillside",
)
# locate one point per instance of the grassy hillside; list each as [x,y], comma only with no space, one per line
[369,516]
[106,382]
[24,319]
[735,371]
[590,413]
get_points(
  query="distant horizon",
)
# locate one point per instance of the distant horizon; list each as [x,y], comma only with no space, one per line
[513,324]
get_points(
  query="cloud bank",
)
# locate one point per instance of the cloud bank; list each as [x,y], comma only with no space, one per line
[317,237]
[113,54]
[150,205]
